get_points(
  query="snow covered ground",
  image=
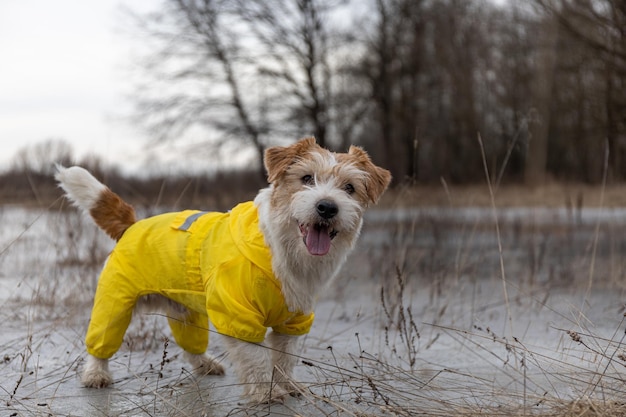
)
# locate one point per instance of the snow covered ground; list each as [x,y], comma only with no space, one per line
[434,314]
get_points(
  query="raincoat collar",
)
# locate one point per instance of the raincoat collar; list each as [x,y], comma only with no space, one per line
[247,235]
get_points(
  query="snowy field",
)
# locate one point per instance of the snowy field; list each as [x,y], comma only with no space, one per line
[432,315]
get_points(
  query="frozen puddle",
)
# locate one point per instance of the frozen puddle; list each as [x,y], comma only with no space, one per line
[452,339]
[349,364]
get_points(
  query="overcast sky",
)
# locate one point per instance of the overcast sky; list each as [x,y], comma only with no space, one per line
[64,74]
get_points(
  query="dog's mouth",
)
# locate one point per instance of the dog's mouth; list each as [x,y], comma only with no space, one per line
[317,238]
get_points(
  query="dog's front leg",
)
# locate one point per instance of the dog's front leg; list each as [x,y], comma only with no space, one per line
[253,365]
[284,359]
[96,373]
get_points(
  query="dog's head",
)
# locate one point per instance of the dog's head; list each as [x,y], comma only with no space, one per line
[319,196]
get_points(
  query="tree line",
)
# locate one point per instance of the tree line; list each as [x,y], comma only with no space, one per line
[416,82]
[543,82]
[30,181]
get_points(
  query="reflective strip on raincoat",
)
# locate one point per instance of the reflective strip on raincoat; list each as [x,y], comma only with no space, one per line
[215,264]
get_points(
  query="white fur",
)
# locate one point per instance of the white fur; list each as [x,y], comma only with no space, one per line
[265,370]
[81,187]
[96,373]
[204,364]
[304,276]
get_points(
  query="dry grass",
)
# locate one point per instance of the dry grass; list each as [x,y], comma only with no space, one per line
[429,281]
[552,194]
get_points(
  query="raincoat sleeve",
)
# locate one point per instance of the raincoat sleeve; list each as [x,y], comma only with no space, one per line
[296,326]
[231,303]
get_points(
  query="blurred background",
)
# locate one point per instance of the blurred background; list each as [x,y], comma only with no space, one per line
[185,95]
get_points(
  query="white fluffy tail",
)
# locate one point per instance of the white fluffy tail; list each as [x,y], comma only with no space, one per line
[108,210]
[82,188]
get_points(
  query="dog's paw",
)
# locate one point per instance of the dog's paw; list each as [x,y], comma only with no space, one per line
[96,373]
[291,388]
[204,364]
[209,366]
[96,378]
[259,395]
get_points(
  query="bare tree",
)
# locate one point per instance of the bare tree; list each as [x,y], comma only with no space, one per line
[427,63]
[600,28]
[40,157]
[414,80]
[392,67]
[295,38]
[240,72]
[195,77]
[537,156]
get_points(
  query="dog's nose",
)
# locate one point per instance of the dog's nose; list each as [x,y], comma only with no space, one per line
[327,209]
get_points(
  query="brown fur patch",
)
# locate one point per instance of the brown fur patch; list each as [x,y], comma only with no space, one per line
[288,164]
[279,158]
[377,178]
[113,214]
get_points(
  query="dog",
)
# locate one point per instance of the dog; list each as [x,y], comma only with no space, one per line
[259,266]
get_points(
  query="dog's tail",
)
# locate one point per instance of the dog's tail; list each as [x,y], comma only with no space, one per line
[108,210]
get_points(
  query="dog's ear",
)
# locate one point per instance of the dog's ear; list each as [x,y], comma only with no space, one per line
[378,178]
[278,158]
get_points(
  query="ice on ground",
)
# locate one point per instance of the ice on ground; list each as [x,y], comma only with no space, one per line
[426,317]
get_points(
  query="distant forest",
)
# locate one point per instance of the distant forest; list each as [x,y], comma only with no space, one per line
[543,82]
[30,181]
[416,82]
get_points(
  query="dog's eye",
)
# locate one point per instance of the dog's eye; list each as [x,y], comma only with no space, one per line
[307,180]
[349,188]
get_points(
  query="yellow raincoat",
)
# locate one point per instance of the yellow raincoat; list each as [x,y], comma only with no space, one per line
[215,264]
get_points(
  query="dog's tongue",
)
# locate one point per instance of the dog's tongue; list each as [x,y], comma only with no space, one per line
[318,240]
